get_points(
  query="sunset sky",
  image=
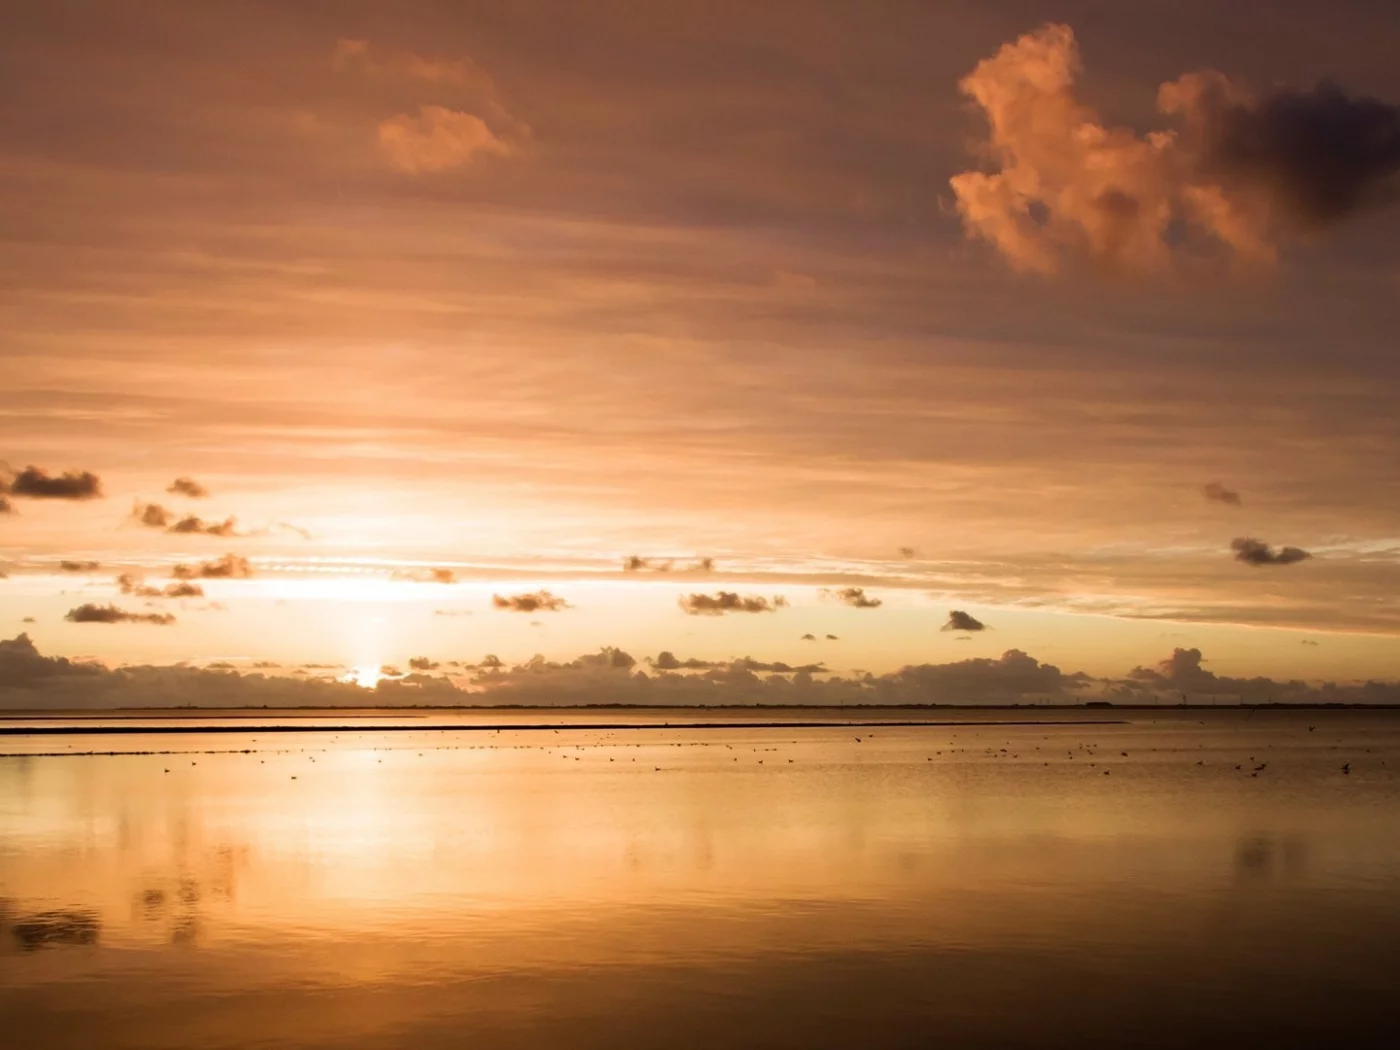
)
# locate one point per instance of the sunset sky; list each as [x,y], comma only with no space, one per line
[1077,319]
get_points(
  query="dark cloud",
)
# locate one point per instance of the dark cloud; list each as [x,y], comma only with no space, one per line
[855,597]
[1308,641]
[422,663]
[34,483]
[151,515]
[390,671]
[536,601]
[79,566]
[1257,552]
[747,663]
[6,507]
[809,638]
[961,621]
[187,487]
[1184,673]
[728,601]
[1321,154]
[220,665]
[21,665]
[1218,493]
[230,566]
[832,638]
[908,552]
[89,613]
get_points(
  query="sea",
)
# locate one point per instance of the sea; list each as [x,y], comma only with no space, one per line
[613,878]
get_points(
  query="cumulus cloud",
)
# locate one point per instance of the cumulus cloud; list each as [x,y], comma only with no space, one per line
[437,139]
[962,621]
[855,597]
[1184,674]
[230,566]
[535,601]
[89,613]
[183,486]
[1238,169]
[34,483]
[79,566]
[422,663]
[728,601]
[668,661]
[1256,552]
[1218,493]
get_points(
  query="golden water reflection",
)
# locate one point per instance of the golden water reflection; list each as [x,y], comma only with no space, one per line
[671,886]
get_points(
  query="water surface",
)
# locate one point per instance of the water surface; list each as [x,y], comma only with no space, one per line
[1169,878]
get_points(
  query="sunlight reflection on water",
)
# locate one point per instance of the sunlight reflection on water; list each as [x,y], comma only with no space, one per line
[1181,876]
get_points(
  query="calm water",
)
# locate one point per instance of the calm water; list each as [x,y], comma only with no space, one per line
[961,886]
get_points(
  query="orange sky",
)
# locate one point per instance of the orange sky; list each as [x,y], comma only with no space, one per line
[520,290]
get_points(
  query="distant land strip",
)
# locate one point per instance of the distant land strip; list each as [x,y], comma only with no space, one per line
[529,727]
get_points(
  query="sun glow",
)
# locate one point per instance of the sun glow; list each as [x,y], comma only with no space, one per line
[365,677]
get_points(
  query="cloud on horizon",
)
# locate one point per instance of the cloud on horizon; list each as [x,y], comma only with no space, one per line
[229,567]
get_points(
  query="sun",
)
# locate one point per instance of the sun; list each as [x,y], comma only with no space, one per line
[365,677]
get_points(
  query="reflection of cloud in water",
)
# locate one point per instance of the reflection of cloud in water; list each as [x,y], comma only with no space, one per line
[48,928]
[1268,856]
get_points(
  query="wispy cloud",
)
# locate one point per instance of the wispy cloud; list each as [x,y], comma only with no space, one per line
[437,139]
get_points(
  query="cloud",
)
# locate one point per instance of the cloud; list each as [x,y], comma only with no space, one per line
[1218,493]
[154,516]
[853,596]
[809,638]
[832,638]
[636,563]
[1240,168]
[961,621]
[183,486]
[131,584]
[425,576]
[195,525]
[79,566]
[89,613]
[1308,641]
[6,507]
[437,139]
[1256,552]
[33,483]
[667,661]
[536,601]
[21,665]
[908,552]
[422,663]
[230,566]
[726,602]
[358,56]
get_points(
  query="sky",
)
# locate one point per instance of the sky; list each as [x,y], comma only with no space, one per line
[951,334]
